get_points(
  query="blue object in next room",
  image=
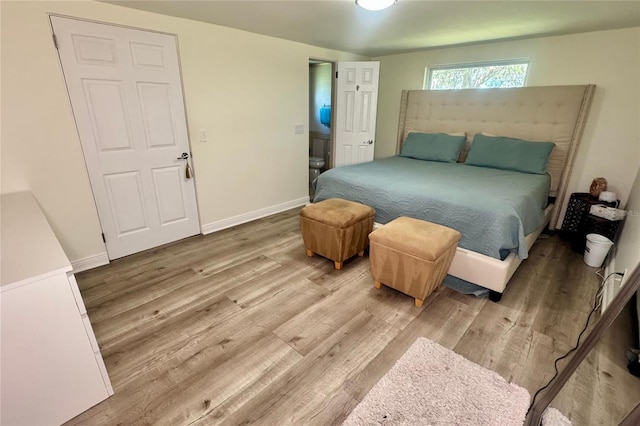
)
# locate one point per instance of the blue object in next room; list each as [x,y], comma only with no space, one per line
[325,115]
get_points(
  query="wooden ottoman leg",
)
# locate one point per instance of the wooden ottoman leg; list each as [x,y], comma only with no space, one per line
[377,284]
[361,253]
[338,265]
[419,303]
[309,253]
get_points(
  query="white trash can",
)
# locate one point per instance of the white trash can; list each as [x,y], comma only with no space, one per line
[596,250]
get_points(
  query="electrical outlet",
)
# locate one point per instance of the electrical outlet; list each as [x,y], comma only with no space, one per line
[612,287]
[298,129]
[625,276]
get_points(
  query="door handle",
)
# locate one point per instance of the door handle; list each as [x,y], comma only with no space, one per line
[187,170]
[369,142]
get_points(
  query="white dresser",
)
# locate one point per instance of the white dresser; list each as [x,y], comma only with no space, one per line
[51,368]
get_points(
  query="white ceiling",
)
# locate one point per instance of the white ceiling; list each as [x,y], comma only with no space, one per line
[408,25]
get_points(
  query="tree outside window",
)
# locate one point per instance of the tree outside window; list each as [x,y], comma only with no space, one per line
[478,76]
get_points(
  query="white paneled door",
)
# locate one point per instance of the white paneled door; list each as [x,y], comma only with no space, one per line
[126,94]
[356,106]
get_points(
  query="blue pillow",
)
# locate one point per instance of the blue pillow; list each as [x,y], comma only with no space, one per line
[433,146]
[510,154]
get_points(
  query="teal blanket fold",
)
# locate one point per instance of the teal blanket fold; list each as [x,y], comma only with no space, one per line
[493,209]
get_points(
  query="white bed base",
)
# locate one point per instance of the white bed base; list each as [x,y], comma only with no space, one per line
[486,271]
[489,272]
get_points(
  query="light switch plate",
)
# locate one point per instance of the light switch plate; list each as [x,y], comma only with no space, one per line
[203,135]
[298,129]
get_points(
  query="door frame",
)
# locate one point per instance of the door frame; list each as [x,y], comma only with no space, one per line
[333,103]
[70,106]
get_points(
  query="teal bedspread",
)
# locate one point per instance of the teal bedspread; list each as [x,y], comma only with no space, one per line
[493,209]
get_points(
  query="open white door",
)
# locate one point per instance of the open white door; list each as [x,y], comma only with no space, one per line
[356,106]
[126,94]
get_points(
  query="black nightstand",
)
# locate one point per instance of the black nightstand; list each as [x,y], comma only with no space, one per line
[578,222]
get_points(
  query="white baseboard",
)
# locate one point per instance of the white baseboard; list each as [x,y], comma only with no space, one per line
[89,262]
[248,217]
[101,259]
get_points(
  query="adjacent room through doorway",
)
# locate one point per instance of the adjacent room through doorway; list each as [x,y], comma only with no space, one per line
[320,115]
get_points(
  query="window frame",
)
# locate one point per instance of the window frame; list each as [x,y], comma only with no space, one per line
[429,69]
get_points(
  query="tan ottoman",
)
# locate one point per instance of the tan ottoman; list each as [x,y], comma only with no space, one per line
[336,229]
[412,256]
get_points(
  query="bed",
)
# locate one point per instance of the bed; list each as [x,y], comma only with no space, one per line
[500,213]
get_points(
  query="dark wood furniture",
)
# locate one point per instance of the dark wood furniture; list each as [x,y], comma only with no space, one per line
[578,222]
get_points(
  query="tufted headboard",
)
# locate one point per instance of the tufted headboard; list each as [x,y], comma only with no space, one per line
[551,113]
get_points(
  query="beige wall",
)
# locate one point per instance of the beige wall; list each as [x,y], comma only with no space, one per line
[610,59]
[627,250]
[247,90]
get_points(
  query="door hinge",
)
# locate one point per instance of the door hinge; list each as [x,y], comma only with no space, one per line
[104,240]
[336,74]
[55,40]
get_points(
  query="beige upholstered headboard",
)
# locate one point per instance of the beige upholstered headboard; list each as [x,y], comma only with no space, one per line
[551,113]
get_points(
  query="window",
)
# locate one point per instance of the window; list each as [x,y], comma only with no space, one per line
[478,75]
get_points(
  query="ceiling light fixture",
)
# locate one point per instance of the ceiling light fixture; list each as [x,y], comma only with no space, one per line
[375,4]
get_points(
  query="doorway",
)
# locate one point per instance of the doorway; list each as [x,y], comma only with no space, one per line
[321,100]
[125,90]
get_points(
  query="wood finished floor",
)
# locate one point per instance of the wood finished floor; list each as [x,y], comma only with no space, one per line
[241,327]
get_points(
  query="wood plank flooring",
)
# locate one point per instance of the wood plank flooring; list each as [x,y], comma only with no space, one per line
[241,327]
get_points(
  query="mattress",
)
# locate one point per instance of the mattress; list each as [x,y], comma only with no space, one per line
[493,209]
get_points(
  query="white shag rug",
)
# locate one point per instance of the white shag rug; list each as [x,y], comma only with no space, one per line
[431,385]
